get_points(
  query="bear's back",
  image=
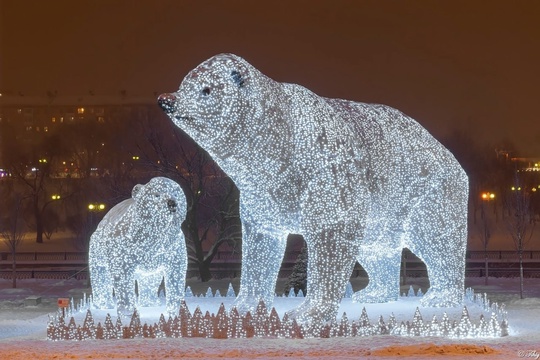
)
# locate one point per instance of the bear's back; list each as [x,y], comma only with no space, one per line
[108,225]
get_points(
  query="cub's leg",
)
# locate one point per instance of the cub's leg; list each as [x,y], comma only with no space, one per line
[100,277]
[124,288]
[175,278]
[148,286]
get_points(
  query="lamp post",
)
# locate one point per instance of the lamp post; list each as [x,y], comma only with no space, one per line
[486,234]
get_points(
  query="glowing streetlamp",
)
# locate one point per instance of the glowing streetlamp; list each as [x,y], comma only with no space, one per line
[55,197]
[96,207]
[487,196]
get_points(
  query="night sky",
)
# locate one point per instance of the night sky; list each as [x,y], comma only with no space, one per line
[470,65]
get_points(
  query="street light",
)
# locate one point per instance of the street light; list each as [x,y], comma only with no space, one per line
[96,207]
[55,197]
[487,196]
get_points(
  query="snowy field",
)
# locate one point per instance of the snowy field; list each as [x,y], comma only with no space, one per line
[23,328]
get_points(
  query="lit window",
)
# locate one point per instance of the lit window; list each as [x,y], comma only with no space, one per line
[80,110]
[101,119]
[53,119]
[45,128]
[19,111]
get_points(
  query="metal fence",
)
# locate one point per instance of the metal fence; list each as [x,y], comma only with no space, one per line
[67,265]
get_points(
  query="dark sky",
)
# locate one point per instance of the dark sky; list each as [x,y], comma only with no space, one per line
[472,65]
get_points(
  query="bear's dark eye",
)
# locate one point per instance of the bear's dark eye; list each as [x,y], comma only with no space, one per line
[206,91]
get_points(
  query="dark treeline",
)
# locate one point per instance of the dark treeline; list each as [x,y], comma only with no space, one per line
[56,175]
[69,176]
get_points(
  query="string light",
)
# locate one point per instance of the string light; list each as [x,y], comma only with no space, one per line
[140,240]
[360,182]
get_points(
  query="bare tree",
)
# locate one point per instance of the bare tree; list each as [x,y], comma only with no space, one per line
[520,222]
[51,221]
[13,228]
[212,218]
[31,161]
[220,225]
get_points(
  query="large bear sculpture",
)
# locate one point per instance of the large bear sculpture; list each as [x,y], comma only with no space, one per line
[140,239]
[360,182]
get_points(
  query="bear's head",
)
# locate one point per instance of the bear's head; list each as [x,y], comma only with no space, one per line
[159,202]
[214,100]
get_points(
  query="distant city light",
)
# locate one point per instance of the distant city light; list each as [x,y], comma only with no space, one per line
[488,196]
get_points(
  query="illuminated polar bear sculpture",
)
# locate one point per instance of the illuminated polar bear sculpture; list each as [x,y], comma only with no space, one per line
[140,239]
[359,181]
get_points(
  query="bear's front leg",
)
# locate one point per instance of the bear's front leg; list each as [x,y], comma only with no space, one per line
[175,279]
[262,254]
[383,265]
[331,254]
[124,290]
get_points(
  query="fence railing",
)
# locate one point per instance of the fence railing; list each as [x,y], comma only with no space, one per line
[290,256]
[66,265]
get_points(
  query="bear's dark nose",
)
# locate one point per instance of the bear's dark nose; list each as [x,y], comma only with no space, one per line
[171,204]
[166,102]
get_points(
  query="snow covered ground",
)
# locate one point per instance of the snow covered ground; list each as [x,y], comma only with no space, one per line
[23,328]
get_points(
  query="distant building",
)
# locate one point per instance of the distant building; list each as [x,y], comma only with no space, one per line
[31,117]
[40,114]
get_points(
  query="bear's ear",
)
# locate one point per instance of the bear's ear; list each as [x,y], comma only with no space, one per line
[238,78]
[136,191]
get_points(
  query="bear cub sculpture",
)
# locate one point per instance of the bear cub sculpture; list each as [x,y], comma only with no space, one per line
[360,182]
[140,239]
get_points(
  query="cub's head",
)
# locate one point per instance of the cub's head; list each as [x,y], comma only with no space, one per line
[160,200]
[215,100]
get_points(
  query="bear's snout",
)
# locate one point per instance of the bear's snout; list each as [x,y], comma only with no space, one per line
[171,204]
[166,102]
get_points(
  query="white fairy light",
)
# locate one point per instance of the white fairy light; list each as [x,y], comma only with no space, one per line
[140,239]
[360,182]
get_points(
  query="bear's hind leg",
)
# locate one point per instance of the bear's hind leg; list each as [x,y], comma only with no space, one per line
[383,266]
[438,236]
[102,289]
[445,263]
